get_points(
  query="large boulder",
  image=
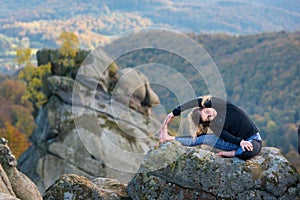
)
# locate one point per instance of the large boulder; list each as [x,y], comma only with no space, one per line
[84,131]
[71,186]
[133,88]
[13,183]
[176,172]
[53,57]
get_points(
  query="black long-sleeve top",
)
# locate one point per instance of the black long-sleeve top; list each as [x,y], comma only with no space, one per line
[231,123]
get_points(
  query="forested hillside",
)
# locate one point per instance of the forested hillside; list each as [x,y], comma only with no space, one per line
[260,72]
[38,23]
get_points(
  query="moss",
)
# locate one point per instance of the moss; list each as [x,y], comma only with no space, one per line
[173,166]
[112,125]
[88,122]
[293,170]
[255,170]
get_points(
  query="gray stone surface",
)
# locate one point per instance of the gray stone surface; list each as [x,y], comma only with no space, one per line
[71,186]
[133,89]
[179,172]
[84,131]
[13,183]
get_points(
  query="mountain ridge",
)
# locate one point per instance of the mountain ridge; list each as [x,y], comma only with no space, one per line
[259,72]
[19,18]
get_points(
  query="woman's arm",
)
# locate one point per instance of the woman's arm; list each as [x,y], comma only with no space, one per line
[225,135]
[199,102]
[177,111]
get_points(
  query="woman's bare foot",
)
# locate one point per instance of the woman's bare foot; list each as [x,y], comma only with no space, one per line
[227,154]
[164,136]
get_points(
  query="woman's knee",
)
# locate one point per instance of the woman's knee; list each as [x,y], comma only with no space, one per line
[249,154]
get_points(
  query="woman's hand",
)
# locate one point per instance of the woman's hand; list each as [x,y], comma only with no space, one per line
[246,145]
[168,118]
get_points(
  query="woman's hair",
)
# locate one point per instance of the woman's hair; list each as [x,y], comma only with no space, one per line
[205,99]
[197,126]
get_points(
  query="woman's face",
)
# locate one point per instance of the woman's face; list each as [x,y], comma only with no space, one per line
[208,114]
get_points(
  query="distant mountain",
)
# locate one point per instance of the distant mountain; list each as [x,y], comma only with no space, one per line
[42,21]
[258,56]
[260,73]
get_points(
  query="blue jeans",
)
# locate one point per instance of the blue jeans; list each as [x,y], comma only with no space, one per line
[216,142]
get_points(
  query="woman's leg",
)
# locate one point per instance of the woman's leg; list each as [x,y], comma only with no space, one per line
[245,155]
[208,139]
[212,140]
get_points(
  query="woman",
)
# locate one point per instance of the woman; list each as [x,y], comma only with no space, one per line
[234,132]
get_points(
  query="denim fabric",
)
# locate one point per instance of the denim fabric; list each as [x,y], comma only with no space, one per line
[253,137]
[215,141]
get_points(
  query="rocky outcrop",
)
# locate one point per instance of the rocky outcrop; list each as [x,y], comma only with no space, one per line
[133,89]
[173,171]
[13,183]
[71,186]
[53,56]
[176,172]
[83,130]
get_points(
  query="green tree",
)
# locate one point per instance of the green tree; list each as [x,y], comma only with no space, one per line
[69,48]
[33,76]
[23,56]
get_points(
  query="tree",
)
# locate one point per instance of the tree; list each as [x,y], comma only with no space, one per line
[13,90]
[23,56]
[23,119]
[12,109]
[33,77]
[69,48]
[17,141]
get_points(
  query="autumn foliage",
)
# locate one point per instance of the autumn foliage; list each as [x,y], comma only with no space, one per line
[16,121]
[20,98]
[18,142]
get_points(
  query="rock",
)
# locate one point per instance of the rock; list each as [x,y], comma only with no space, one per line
[58,68]
[98,145]
[114,188]
[82,130]
[14,184]
[5,186]
[62,86]
[176,172]
[71,186]
[53,56]
[4,196]
[133,89]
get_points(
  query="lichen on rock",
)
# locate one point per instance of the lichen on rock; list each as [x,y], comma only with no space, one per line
[194,173]
[71,186]
[13,183]
[82,129]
